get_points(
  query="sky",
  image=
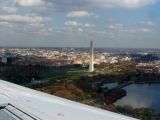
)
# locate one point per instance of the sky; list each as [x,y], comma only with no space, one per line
[73,23]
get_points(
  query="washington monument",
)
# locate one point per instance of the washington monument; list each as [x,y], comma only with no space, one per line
[91,63]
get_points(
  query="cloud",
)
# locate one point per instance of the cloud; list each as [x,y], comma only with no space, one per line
[115,26]
[119,29]
[88,25]
[123,3]
[22,19]
[80,30]
[39,25]
[16,17]
[72,23]
[150,23]
[147,23]
[79,14]
[9,9]
[76,5]
[44,31]
[145,30]
[77,24]
[6,24]
[31,2]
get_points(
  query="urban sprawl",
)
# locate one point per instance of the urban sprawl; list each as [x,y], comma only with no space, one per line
[146,61]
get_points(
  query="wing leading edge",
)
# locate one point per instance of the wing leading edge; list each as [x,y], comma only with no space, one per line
[34,105]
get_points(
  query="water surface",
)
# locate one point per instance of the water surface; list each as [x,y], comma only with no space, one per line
[142,96]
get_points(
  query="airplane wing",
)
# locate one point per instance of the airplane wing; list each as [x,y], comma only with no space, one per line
[20,103]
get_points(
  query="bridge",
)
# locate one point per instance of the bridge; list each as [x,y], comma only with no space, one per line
[118,86]
[125,84]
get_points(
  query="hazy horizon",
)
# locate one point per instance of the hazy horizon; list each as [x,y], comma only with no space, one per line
[74,47]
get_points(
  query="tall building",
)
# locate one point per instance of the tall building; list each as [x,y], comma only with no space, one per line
[91,64]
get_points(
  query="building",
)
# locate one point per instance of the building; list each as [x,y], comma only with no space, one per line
[4,59]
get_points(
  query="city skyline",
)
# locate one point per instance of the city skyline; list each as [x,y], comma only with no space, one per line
[73,23]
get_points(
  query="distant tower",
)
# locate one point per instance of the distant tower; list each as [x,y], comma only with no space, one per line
[91,63]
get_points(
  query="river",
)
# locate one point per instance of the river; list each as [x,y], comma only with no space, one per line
[142,96]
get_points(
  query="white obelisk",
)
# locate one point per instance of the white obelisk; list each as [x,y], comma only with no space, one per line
[91,64]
